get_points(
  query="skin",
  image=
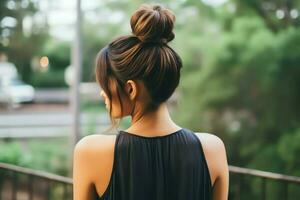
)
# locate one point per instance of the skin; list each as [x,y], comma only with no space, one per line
[93,155]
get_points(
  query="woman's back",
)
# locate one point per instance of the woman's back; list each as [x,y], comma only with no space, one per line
[138,73]
[159,168]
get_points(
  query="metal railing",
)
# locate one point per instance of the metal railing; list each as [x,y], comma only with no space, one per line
[18,183]
[241,187]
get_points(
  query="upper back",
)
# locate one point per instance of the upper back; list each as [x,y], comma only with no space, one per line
[164,167]
[168,156]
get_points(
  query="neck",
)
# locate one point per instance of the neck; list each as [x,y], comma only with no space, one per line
[153,123]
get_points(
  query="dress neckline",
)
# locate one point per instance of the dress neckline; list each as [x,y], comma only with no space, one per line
[152,137]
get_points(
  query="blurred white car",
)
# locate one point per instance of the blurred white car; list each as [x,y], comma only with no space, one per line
[4,97]
[20,92]
[12,89]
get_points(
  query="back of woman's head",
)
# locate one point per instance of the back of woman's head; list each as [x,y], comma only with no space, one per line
[143,56]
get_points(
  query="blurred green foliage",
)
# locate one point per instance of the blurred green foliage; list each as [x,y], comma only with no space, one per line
[247,86]
[59,53]
[50,155]
[49,79]
[19,44]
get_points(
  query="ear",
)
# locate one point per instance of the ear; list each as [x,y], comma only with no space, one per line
[131,89]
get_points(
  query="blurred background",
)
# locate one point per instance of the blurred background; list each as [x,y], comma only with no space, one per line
[240,81]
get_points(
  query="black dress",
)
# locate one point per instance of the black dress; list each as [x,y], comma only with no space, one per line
[169,167]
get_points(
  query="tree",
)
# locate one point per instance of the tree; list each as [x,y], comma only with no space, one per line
[277,15]
[18,44]
[245,89]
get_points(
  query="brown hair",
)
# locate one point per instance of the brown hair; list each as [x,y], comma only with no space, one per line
[145,55]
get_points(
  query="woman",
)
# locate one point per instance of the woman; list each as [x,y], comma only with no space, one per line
[154,159]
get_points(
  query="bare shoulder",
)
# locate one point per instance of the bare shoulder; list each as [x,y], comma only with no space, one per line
[94,153]
[211,142]
[96,142]
[215,154]
[92,164]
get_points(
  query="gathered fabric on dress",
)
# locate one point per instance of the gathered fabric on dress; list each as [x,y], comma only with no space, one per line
[169,167]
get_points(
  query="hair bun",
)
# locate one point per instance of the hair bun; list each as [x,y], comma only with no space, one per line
[153,24]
